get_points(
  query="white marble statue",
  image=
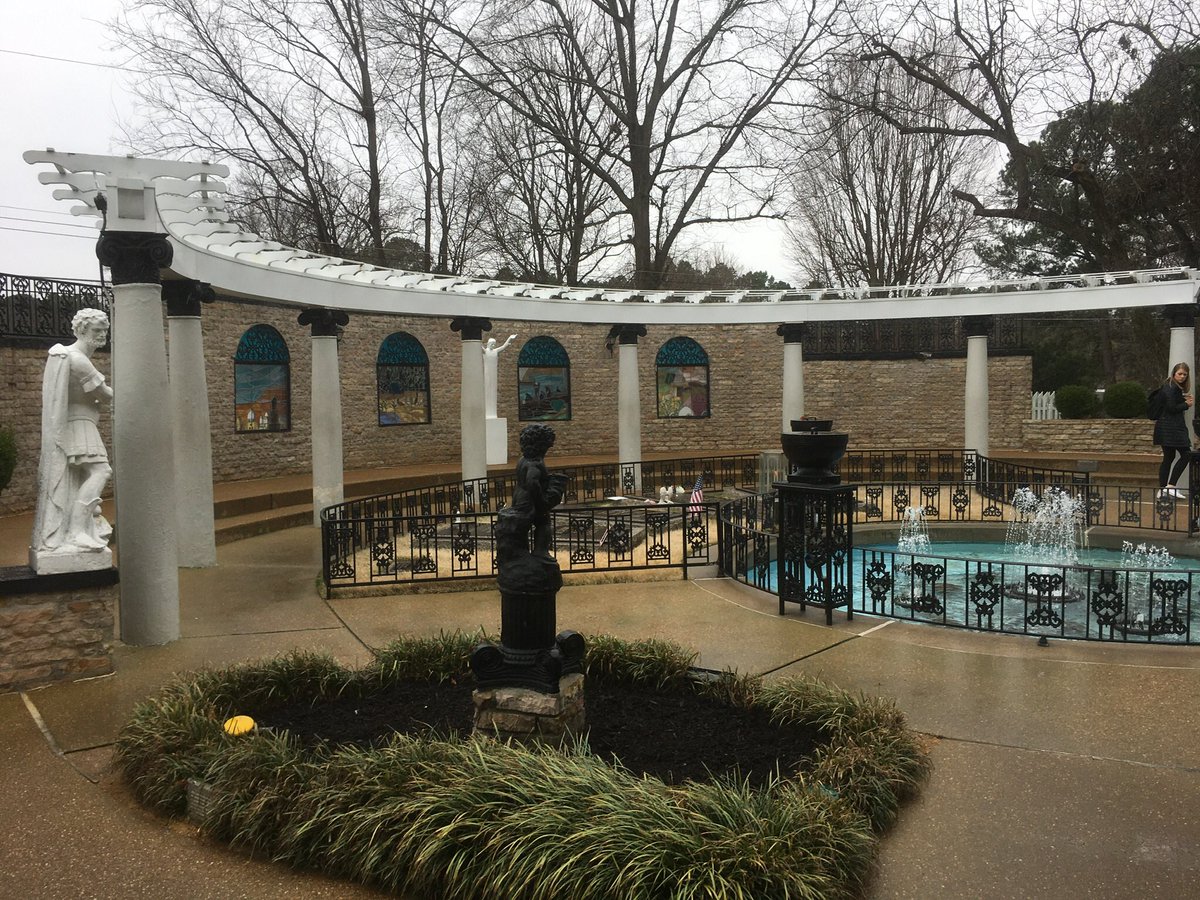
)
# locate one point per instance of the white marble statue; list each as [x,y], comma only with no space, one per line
[73,468]
[490,365]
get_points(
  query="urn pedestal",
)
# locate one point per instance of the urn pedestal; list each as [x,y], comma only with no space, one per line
[816,521]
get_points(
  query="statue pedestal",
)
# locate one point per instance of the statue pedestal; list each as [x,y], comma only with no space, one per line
[64,561]
[497,441]
[529,716]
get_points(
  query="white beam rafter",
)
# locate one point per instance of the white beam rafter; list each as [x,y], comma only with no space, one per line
[208,248]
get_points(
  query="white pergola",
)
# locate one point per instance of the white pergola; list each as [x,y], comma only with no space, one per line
[184,202]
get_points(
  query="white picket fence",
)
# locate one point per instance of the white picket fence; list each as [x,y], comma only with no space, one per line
[1043,406]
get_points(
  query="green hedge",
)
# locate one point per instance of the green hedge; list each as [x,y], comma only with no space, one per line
[8,456]
[473,818]
[1125,400]
[1074,401]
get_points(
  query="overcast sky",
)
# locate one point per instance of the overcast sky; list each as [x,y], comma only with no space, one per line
[64,87]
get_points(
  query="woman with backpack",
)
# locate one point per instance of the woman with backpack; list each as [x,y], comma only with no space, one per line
[1170,430]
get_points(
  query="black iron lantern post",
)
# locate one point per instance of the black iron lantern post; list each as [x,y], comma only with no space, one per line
[816,522]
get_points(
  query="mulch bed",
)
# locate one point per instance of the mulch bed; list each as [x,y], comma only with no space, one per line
[672,734]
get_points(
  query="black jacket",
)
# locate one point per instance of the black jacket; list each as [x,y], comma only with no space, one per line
[1170,430]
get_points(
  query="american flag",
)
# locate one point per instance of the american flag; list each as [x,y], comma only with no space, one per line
[697,496]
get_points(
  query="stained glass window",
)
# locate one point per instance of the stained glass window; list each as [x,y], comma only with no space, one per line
[543,381]
[402,381]
[681,377]
[262,387]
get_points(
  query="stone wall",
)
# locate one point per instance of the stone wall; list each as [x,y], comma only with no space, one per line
[55,636]
[881,403]
[1086,436]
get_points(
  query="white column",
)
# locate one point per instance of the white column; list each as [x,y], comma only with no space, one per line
[144,468]
[975,412]
[192,435]
[793,373]
[328,471]
[471,401]
[1183,349]
[629,404]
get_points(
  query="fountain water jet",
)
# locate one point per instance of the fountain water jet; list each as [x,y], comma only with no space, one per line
[914,532]
[1048,529]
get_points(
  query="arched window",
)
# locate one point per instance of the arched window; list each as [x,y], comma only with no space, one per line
[682,380]
[402,381]
[262,384]
[543,381]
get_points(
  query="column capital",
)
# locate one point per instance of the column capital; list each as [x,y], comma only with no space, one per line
[324,322]
[793,332]
[977,326]
[627,333]
[134,257]
[185,297]
[1181,315]
[471,327]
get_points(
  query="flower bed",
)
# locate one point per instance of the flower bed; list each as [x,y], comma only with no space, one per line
[467,817]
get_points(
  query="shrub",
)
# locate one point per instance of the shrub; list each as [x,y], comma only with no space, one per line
[454,818]
[1074,401]
[8,456]
[1125,400]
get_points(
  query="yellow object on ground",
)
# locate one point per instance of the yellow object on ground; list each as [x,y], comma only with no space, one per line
[239,725]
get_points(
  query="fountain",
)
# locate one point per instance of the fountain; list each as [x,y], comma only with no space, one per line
[1048,529]
[923,575]
[1046,532]
[914,532]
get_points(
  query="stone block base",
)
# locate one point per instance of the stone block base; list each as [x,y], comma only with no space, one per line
[497,441]
[525,715]
[64,562]
[54,628]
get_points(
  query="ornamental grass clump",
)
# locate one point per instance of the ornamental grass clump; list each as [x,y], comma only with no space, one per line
[475,818]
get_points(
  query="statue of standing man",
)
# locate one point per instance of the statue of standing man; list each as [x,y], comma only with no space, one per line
[491,363]
[73,469]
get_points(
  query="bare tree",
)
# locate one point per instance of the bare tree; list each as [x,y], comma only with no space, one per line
[549,218]
[874,206]
[286,90]
[688,86]
[1009,74]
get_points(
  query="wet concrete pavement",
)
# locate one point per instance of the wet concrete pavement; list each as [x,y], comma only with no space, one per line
[1063,771]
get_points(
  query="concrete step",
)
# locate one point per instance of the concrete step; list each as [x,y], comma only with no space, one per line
[231,528]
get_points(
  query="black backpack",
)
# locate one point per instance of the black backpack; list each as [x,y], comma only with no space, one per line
[1155,401]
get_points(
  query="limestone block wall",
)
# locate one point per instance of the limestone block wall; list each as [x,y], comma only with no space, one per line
[57,636]
[1086,436]
[881,403]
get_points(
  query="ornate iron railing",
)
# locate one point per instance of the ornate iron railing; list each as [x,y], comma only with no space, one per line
[1078,602]
[1107,602]
[904,338]
[41,309]
[374,550]
[445,531]
[586,484]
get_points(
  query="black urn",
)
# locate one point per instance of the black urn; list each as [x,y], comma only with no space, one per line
[812,449]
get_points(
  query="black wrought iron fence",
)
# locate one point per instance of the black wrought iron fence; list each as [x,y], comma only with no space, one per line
[395,549]
[585,484]
[1080,602]
[444,531]
[1109,602]
[41,309]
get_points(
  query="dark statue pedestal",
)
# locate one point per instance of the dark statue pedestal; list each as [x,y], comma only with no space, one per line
[530,654]
[530,686]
